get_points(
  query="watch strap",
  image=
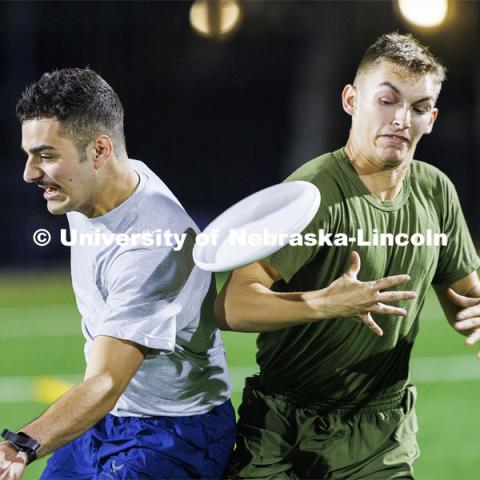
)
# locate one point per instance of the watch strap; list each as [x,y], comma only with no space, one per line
[22,442]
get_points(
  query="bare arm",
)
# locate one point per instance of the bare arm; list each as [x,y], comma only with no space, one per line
[111,365]
[248,304]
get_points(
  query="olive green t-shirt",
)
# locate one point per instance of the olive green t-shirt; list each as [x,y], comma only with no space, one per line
[341,359]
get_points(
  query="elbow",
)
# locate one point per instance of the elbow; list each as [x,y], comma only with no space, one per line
[219,313]
[235,323]
[236,306]
[106,390]
[223,309]
[226,314]
[224,318]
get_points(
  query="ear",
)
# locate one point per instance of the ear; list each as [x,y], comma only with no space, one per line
[103,150]
[433,117]
[349,98]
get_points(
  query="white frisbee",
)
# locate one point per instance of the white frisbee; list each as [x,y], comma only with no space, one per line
[256,226]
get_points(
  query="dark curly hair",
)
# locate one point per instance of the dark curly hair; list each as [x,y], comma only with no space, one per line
[83,102]
[405,51]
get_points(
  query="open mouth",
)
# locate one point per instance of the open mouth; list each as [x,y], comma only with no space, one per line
[51,191]
[49,188]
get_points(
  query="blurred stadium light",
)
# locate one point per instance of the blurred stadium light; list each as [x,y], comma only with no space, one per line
[215,18]
[424,13]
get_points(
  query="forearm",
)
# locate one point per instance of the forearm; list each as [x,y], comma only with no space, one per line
[256,308]
[74,413]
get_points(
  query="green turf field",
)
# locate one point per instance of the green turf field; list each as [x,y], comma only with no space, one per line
[41,353]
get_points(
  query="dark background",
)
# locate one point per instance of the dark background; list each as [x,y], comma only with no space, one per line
[219,119]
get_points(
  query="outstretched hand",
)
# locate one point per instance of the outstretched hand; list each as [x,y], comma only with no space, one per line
[468,318]
[349,297]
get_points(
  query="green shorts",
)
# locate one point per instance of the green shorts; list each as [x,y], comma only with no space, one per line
[278,438]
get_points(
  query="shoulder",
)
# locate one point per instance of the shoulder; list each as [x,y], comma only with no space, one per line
[159,207]
[316,170]
[429,177]
[325,172]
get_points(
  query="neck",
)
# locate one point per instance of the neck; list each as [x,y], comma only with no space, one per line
[383,182]
[118,183]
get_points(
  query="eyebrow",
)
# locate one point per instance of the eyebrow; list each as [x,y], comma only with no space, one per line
[395,89]
[39,149]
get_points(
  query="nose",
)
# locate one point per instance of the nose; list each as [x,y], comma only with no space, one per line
[32,171]
[402,117]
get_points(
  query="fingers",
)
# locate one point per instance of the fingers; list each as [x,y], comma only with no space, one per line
[473,338]
[468,312]
[468,318]
[384,310]
[354,266]
[370,323]
[393,296]
[12,463]
[391,281]
[467,324]
[388,310]
[461,300]
[22,458]
[390,296]
[6,474]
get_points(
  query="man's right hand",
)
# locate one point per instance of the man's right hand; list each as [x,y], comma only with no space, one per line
[247,302]
[349,297]
[12,463]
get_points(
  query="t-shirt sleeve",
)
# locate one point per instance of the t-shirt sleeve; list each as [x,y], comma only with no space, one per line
[144,297]
[458,258]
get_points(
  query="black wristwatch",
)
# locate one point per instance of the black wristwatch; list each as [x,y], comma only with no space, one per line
[21,442]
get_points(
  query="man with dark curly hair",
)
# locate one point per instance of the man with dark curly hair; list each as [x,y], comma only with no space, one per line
[331,399]
[154,402]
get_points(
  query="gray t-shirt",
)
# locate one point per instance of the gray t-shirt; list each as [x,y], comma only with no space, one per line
[154,296]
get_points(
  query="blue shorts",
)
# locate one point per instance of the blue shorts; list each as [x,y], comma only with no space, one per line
[196,446]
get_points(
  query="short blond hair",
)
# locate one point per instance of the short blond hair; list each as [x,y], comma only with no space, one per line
[404,51]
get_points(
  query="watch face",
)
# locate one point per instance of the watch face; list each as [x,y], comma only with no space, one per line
[27,442]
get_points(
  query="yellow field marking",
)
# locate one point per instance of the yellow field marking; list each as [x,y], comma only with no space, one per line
[49,389]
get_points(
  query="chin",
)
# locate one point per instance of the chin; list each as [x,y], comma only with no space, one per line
[392,160]
[58,209]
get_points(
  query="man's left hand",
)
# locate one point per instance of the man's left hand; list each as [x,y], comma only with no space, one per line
[467,320]
[12,463]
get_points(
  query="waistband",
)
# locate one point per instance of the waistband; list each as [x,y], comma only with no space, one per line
[404,398]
